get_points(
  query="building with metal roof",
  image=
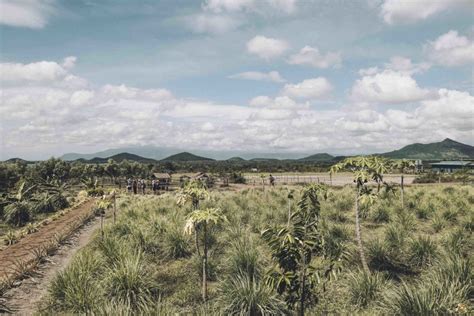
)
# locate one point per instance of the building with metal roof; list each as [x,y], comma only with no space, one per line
[452,166]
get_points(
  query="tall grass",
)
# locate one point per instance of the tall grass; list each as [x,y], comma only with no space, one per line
[145,264]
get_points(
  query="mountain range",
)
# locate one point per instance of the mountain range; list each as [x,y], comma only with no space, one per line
[447,149]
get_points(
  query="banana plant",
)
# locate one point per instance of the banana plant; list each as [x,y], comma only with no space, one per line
[201,220]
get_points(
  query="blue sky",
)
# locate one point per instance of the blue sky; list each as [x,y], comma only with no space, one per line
[251,75]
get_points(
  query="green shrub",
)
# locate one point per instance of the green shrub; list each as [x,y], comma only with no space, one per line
[395,237]
[243,295]
[128,282]
[365,288]
[443,290]
[76,288]
[438,223]
[176,243]
[381,215]
[423,251]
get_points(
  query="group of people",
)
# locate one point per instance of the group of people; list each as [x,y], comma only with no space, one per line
[136,185]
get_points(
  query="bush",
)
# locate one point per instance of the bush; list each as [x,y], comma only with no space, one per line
[365,288]
[243,258]
[175,243]
[243,295]
[17,213]
[381,215]
[76,288]
[441,291]
[127,281]
[423,251]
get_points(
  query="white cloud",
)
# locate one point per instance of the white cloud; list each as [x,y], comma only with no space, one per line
[453,109]
[123,91]
[208,127]
[272,76]
[313,57]
[266,47]
[388,87]
[315,88]
[400,12]
[281,102]
[26,13]
[41,117]
[81,97]
[69,62]
[451,49]
[38,71]
[259,6]
[405,65]
[212,23]
[368,71]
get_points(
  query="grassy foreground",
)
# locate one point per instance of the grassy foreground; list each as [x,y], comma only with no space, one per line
[420,257]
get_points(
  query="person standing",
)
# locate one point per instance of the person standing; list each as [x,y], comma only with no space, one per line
[272,180]
[129,186]
[135,186]
[143,186]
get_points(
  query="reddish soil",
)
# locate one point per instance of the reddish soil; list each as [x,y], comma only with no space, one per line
[14,258]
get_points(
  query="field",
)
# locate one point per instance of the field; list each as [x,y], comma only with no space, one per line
[419,256]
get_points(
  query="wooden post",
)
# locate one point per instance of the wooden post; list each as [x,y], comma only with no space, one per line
[115,207]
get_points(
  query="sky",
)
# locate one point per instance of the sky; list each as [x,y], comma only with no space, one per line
[273,76]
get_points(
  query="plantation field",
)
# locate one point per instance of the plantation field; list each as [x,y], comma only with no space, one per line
[151,261]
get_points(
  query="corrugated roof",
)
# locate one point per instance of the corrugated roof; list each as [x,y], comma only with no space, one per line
[162,175]
[452,163]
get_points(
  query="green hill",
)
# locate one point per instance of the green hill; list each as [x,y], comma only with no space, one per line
[185,156]
[236,159]
[120,157]
[317,157]
[447,149]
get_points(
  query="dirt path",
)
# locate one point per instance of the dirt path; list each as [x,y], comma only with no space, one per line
[18,257]
[24,299]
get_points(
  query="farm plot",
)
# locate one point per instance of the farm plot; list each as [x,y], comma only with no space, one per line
[16,259]
[151,261]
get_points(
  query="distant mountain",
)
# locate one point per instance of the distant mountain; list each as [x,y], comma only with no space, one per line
[119,158]
[236,159]
[317,158]
[185,156]
[15,160]
[151,152]
[264,159]
[447,149]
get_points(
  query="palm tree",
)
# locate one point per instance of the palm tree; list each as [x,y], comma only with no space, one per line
[201,220]
[364,169]
[402,165]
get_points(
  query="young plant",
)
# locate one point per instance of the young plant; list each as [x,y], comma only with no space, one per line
[201,220]
[402,165]
[364,169]
[293,248]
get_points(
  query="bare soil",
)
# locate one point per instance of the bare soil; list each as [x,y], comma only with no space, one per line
[23,299]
